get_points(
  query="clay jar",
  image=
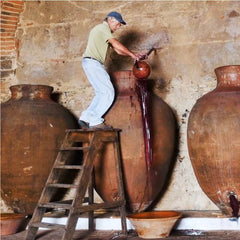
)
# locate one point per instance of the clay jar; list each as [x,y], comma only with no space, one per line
[141,70]
[214,139]
[33,128]
[146,162]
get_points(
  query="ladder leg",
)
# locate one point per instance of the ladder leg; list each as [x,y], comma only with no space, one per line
[37,217]
[120,184]
[70,227]
[91,201]
[31,233]
[123,220]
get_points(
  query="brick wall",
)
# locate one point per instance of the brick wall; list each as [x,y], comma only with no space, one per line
[10,13]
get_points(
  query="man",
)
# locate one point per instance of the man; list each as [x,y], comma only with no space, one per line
[100,38]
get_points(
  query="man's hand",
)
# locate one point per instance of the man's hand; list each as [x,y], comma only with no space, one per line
[135,57]
[143,56]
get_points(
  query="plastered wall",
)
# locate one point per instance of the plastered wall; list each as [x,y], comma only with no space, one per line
[191,38]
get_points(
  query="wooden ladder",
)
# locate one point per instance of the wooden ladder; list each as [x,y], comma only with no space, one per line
[91,143]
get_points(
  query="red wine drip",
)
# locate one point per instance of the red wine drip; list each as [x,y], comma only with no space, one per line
[143,96]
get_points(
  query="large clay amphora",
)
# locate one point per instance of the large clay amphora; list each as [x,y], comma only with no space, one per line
[214,139]
[147,141]
[32,130]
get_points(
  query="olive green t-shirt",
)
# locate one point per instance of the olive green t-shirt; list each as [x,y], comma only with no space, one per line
[97,45]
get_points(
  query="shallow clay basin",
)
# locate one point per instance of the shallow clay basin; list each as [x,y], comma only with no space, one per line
[12,223]
[156,224]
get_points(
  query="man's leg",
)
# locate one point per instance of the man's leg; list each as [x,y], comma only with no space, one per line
[104,92]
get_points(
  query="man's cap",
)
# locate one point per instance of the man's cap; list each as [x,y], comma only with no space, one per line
[118,17]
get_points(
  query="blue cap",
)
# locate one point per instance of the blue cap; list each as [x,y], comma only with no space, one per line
[118,17]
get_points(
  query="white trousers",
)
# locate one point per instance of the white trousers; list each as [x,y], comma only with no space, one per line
[103,88]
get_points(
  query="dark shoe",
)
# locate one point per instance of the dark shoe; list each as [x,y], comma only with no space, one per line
[84,125]
[101,126]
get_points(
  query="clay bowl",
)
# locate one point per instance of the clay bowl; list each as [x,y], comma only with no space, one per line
[12,223]
[156,224]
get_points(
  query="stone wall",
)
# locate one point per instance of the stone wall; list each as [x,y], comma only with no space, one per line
[10,13]
[191,38]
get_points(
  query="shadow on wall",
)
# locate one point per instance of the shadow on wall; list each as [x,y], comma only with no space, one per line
[139,42]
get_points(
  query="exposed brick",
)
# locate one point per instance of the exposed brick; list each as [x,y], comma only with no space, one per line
[4,21]
[10,13]
[7,47]
[9,26]
[7,30]
[11,18]
[9,4]
[4,58]
[5,74]
[7,53]
[11,9]
[16,2]
[8,43]
[6,39]
[7,34]
[6,64]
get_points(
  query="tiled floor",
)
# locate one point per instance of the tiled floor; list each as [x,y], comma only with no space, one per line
[132,235]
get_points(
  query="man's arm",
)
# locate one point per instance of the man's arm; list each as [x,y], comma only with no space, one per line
[121,49]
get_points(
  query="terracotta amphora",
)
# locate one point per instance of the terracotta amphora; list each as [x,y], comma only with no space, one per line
[32,130]
[147,138]
[214,139]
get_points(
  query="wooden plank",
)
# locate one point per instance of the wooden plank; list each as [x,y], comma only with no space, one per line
[106,136]
[69,167]
[55,205]
[73,148]
[91,201]
[97,206]
[62,185]
[120,184]
[75,136]
[48,225]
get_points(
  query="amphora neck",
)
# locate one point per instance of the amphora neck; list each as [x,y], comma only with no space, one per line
[124,82]
[228,76]
[28,91]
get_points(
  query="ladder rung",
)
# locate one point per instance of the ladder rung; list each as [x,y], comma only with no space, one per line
[73,148]
[62,185]
[96,206]
[69,167]
[55,205]
[65,204]
[47,225]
